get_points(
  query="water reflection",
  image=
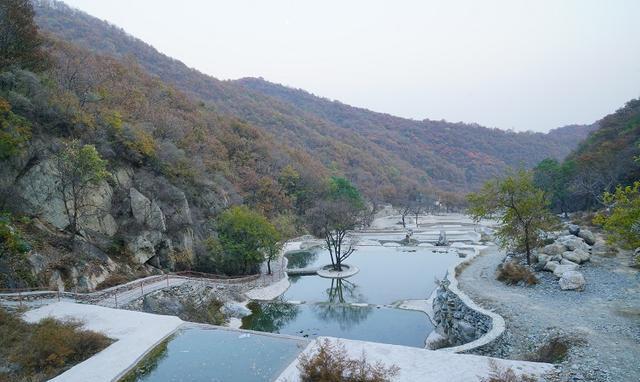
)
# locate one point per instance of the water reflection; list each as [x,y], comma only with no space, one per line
[341,287]
[301,259]
[269,317]
[345,315]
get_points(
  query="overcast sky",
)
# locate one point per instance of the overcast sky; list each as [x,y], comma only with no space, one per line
[526,65]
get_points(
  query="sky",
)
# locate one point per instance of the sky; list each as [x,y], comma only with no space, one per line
[511,64]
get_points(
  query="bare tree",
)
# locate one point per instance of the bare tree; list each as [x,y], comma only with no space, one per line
[332,220]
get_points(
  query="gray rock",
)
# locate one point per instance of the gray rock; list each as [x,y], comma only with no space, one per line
[572,280]
[235,309]
[587,236]
[572,256]
[578,256]
[542,258]
[38,189]
[560,269]
[551,266]
[146,212]
[142,247]
[554,249]
[573,229]
[567,262]
[55,281]
[442,240]
[573,242]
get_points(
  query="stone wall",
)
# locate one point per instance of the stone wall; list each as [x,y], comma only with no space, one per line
[456,321]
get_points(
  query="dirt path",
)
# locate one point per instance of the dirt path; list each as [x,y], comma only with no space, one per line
[606,315]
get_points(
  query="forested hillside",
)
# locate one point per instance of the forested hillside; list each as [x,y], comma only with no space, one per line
[607,158]
[377,151]
[106,170]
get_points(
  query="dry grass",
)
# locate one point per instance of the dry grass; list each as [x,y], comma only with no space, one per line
[554,350]
[330,363]
[501,374]
[512,273]
[38,352]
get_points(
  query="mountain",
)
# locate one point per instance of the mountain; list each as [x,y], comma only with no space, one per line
[377,151]
[608,156]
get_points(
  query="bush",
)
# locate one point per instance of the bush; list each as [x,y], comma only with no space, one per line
[554,350]
[512,273]
[43,350]
[330,363]
[500,374]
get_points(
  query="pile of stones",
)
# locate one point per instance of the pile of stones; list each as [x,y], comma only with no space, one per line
[564,256]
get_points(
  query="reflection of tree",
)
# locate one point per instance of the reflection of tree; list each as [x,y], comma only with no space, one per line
[269,317]
[341,288]
[301,259]
[345,315]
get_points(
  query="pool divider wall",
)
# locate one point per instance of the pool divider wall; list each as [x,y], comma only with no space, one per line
[489,325]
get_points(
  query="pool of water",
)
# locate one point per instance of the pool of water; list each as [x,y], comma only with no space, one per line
[387,275]
[213,355]
[367,323]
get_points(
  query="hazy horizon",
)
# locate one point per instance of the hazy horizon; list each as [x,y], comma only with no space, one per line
[507,64]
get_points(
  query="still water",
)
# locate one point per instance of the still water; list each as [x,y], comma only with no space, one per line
[387,275]
[213,355]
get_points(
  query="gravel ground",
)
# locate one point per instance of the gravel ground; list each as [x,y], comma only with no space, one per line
[602,322]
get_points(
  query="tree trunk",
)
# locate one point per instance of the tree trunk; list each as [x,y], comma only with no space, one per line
[403,223]
[527,245]
[269,266]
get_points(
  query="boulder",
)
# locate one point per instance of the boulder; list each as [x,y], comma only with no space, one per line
[587,236]
[573,229]
[554,249]
[38,189]
[578,256]
[572,280]
[235,309]
[560,269]
[442,240]
[551,266]
[146,212]
[572,256]
[567,262]
[542,258]
[55,281]
[573,242]
[142,247]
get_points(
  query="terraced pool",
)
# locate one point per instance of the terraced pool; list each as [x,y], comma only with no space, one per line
[359,307]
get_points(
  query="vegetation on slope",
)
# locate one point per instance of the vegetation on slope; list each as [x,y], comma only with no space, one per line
[38,352]
[376,151]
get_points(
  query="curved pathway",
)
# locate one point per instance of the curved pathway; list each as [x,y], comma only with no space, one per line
[604,319]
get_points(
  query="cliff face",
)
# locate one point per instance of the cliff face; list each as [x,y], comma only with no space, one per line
[136,222]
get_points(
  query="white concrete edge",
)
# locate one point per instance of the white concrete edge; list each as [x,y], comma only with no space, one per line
[135,363]
[274,290]
[498,323]
[426,306]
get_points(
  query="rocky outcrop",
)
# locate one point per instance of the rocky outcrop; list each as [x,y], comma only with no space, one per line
[146,213]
